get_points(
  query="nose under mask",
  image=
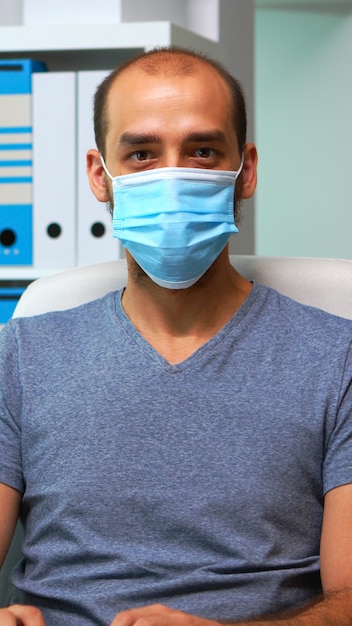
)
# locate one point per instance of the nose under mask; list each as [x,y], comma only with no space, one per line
[174,221]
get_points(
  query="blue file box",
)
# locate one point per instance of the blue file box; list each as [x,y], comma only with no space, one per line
[16,176]
[10,293]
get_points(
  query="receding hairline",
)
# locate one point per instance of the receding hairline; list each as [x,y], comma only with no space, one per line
[169,65]
[168,61]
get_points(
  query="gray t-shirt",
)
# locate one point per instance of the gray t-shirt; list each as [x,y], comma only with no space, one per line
[198,485]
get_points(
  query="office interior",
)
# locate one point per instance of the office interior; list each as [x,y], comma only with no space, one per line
[292,58]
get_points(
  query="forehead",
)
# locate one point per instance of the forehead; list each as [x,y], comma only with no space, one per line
[137,96]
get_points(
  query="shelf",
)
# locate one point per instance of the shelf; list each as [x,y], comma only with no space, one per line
[90,46]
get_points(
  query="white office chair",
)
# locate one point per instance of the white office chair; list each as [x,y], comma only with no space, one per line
[324,283]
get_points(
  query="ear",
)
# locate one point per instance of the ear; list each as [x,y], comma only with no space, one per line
[97,176]
[249,172]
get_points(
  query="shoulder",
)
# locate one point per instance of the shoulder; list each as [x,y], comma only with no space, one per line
[295,312]
[307,325]
[57,326]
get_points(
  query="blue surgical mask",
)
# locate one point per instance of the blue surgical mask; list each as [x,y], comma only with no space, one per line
[174,221]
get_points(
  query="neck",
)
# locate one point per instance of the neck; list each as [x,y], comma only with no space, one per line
[178,322]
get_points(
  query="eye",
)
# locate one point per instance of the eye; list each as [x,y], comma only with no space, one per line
[141,155]
[205,153]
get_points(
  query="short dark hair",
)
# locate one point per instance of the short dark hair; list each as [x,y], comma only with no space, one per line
[163,60]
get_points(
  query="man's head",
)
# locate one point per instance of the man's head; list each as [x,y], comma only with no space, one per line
[170,107]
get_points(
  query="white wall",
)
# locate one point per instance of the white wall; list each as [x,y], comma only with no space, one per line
[10,12]
[304,132]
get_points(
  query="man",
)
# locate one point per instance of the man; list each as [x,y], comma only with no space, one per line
[181,449]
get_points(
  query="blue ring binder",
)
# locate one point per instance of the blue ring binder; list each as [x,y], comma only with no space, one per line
[16,176]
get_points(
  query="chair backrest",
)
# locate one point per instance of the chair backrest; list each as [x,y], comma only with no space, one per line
[323,283]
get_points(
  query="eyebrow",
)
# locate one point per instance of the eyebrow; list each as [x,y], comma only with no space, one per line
[206,136]
[137,139]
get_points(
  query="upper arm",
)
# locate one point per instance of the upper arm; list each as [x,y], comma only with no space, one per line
[10,501]
[336,539]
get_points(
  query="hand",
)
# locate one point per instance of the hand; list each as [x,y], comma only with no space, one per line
[159,615]
[21,615]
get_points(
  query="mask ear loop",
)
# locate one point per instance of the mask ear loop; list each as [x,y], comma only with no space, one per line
[240,167]
[104,166]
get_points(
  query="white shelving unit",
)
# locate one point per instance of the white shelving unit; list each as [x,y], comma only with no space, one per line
[73,47]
